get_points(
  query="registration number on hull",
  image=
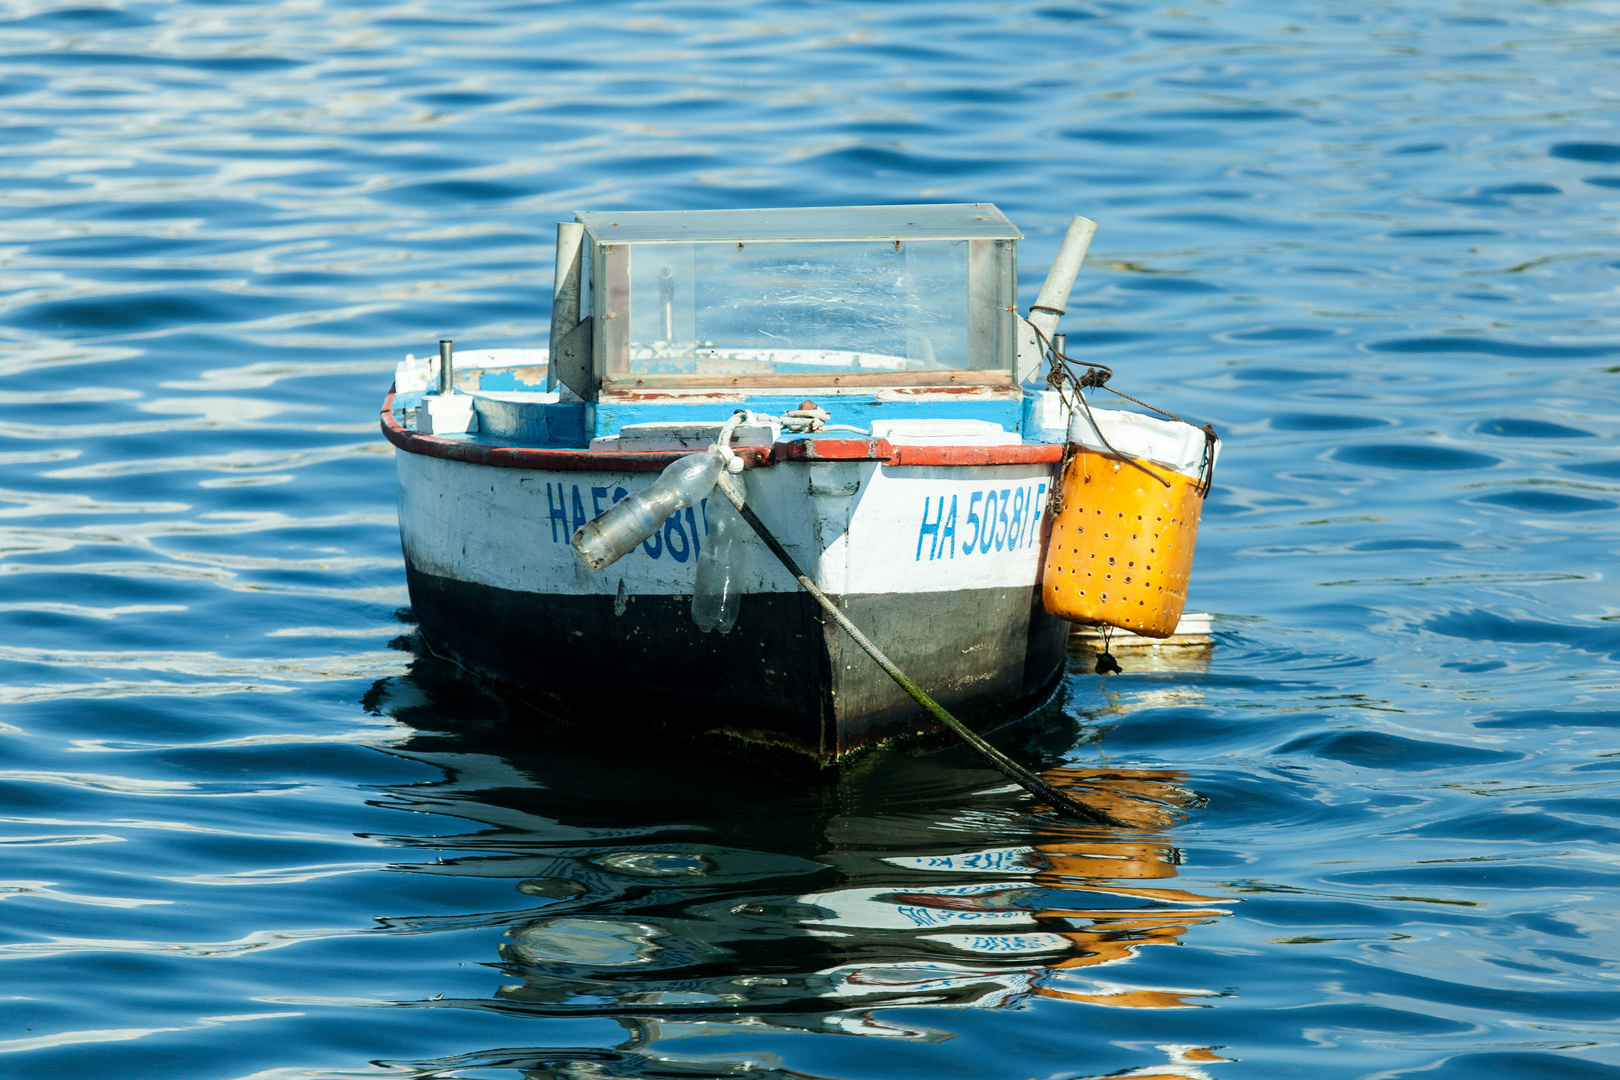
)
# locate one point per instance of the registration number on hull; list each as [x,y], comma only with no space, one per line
[993,519]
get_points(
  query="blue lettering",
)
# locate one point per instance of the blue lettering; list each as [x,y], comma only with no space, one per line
[919,916]
[1006,534]
[929,530]
[1039,505]
[973,520]
[597,495]
[674,522]
[653,545]
[949,531]
[1020,502]
[990,520]
[559,512]
[579,507]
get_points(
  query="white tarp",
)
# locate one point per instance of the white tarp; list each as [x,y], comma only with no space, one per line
[1167,442]
[943,433]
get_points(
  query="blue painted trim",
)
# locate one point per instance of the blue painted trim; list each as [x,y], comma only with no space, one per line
[500,379]
[542,424]
[1033,432]
[856,410]
[572,426]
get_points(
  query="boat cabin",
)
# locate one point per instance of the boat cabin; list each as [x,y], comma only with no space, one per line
[670,320]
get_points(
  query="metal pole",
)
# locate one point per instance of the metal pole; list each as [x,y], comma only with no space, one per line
[1044,313]
[666,296]
[447,373]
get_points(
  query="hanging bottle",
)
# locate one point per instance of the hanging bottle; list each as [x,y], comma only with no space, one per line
[717,595]
[608,538]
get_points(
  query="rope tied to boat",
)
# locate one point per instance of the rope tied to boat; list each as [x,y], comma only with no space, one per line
[1060,801]
[807,419]
[722,443]
[1060,376]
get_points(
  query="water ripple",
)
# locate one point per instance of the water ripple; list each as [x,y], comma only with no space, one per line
[1374,246]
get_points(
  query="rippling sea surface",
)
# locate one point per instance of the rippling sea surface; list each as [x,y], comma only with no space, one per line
[249,829]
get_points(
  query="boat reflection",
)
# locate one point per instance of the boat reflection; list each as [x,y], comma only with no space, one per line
[685,896]
[1050,911]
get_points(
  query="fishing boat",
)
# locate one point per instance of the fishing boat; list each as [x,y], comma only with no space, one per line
[870,370]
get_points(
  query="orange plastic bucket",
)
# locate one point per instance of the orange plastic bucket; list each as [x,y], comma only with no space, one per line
[1121,545]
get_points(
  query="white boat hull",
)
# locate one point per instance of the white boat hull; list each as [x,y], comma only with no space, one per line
[937,563]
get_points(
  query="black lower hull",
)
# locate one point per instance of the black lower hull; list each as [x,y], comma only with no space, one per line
[783,677]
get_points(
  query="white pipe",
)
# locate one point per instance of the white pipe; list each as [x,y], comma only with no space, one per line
[1060,279]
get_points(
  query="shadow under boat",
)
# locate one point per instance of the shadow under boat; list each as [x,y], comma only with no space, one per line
[680,896]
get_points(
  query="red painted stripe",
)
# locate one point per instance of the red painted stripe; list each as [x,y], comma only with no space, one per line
[823,449]
[1014,454]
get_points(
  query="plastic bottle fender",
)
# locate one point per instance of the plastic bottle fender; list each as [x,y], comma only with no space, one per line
[717,595]
[605,540]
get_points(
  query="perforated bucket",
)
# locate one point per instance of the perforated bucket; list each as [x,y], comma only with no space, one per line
[1122,538]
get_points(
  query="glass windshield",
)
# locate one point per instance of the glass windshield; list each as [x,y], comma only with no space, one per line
[787,308]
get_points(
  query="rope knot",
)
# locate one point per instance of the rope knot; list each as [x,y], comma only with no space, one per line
[807,418]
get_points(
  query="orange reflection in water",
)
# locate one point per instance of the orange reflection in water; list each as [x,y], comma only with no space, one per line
[1149,799]
[1077,904]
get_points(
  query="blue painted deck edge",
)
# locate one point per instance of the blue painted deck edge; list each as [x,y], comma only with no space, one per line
[856,410]
[573,425]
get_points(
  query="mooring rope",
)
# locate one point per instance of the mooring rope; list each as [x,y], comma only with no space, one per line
[1061,802]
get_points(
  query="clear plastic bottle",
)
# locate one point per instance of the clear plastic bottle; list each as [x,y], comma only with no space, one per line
[607,539]
[717,594]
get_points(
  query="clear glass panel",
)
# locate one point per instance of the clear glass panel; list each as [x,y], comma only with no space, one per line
[801,308]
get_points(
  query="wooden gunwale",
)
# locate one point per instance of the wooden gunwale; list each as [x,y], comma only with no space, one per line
[657,380]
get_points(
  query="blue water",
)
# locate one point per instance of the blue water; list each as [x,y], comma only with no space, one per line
[248,830]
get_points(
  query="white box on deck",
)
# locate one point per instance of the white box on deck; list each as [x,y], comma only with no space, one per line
[446,414]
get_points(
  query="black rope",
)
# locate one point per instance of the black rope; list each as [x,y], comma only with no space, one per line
[1207,467]
[1206,470]
[1098,375]
[1054,498]
[1098,429]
